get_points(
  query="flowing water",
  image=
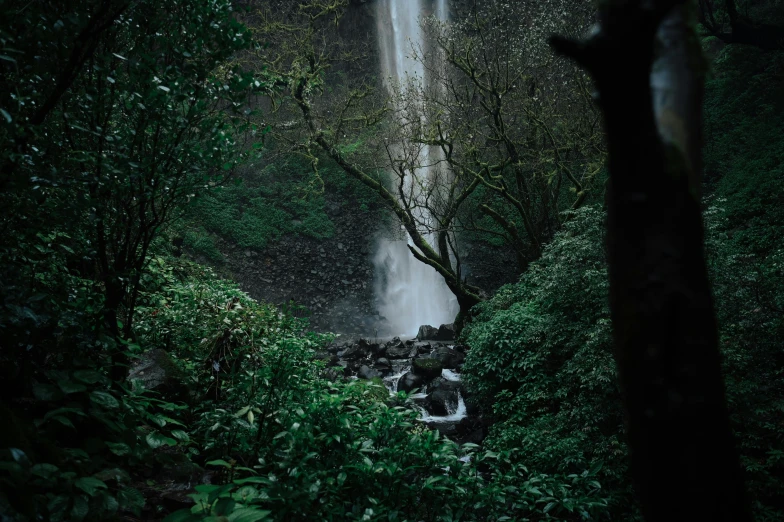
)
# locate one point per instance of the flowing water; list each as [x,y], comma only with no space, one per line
[409,292]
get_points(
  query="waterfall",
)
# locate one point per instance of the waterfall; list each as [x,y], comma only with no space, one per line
[409,292]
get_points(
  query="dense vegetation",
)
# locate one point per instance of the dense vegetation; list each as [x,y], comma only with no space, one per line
[129,129]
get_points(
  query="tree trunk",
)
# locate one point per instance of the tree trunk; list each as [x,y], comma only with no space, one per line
[684,463]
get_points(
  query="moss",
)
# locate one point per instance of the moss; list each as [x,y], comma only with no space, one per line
[201,243]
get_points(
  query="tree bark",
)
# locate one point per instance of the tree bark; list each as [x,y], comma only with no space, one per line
[684,463]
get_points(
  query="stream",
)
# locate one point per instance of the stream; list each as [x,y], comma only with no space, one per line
[426,367]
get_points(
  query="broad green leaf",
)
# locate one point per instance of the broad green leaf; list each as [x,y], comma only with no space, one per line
[81,508]
[118,448]
[104,399]
[248,515]
[90,485]
[183,515]
[87,376]
[219,462]
[130,500]
[157,439]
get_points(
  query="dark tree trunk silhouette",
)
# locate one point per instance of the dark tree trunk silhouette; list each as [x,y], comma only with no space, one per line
[683,458]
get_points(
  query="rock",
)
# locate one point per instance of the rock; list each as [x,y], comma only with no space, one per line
[378,350]
[383,362]
[400,351]
[450,359]
[368,373]
[329,358]
[427,368]
[333,374]
[356,351]
[427,333]
[442,397]
[446,429]
[409,381]
[470,429]
[446,332]
[156,370]
[423,347]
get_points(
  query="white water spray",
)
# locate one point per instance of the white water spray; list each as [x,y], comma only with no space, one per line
[410,293]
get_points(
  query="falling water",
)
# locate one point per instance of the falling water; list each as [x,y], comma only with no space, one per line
[409,292]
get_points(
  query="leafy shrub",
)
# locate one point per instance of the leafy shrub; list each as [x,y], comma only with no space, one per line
[541,358]
[291,445]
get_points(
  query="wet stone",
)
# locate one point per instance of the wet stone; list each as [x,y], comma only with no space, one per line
[427,368]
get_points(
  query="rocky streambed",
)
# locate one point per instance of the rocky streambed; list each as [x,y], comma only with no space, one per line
[426,367]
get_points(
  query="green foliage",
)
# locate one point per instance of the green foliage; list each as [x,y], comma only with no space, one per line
[72,461]
[273,200]
[202,244]
[290,445]
[744,119]
[744,161]
[113,115]
[541,358]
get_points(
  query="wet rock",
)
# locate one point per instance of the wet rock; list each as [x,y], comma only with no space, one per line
[427,333]
[410,381]
[442,397]
[329,358]
[378,350]
[446,429]
[333,374]
[400,351]
[450,359]
[446,332]
[471,429]
[427,368]
[357,351]
[368,373]
[423,347]
[383,363]
[156,370]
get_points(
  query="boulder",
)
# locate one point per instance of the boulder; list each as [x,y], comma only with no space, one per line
[442,397]
[423,347]
[446,332]
[378,350]
[156,370]
[427,368]
[383,363]
[333,374]
[400,351]
[450,358]
[446,429]
[410,381]
[427,333]
[356,351]
[471,429]
[329,358]
[368,373]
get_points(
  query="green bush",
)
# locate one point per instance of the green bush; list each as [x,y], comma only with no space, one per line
[541,358]
[291,445]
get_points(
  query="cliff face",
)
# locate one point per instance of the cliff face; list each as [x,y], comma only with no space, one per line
[331,278]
